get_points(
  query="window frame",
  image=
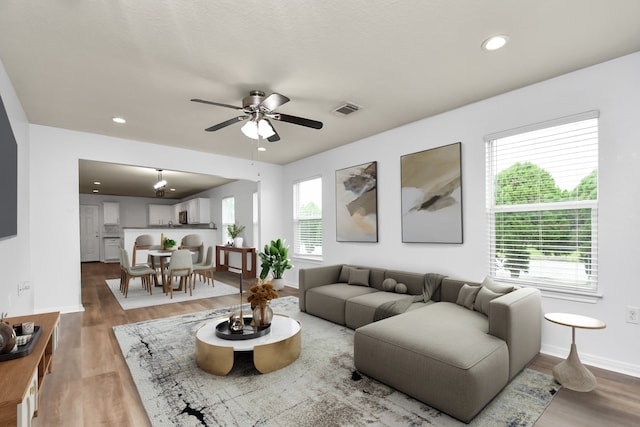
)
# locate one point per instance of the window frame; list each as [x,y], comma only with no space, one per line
[225,234]
[555,288]
[297,245]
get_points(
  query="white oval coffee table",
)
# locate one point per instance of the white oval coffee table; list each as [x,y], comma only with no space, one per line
[273,351]
[571,373]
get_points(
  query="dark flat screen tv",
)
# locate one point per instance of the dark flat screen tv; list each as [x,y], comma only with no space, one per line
[8,177]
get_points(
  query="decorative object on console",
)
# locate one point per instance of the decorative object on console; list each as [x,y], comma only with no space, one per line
[357,203]
[432,195]
[234,231]
[275,258]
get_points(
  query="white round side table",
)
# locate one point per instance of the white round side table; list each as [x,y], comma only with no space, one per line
[571,373]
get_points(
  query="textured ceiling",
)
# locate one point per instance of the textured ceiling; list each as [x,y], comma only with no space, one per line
[77,64]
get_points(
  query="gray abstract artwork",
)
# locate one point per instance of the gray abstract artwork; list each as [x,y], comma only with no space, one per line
[432,195]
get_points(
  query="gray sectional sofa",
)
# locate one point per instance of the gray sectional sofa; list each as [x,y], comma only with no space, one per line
[449,343]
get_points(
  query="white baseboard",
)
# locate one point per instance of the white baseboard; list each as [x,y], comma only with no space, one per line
[597,361]
[63,309]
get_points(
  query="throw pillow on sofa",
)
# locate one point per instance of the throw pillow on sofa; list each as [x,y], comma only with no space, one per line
[344,274]
[488,291]
[389,284]
[467,296]
[401,288]
[359,277]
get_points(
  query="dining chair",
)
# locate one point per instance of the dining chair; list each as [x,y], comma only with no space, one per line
[180,265]
[142,242]
[205,269]
[127,272]
[193,242]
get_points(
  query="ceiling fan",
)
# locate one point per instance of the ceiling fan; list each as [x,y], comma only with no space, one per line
[258,109]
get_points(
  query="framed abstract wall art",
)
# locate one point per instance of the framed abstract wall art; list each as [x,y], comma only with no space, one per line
[431,189]
[357,203]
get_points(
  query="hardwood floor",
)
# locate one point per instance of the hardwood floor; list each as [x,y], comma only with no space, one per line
[90,384]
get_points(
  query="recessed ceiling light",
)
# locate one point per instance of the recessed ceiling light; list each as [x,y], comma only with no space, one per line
[495,42]
[172,189]
[119,120]
[97,182]
[95,190]
[262,148]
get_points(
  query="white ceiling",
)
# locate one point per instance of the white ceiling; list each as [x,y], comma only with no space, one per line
[77,64]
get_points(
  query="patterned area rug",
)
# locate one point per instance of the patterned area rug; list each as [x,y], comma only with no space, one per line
[319,389]
[138,297]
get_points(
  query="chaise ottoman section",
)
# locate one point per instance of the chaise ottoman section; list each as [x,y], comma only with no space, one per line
[328,301]
[434,356]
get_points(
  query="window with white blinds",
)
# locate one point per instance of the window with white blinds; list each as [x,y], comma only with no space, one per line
[542,202]
[228,216]
[307,218]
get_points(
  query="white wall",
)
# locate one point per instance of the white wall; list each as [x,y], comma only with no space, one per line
[242,191]
[614,89]
[55,217]
[14,251]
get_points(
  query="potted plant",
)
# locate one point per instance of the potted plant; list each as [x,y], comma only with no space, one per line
[275,258]
[234,231]
[168,243]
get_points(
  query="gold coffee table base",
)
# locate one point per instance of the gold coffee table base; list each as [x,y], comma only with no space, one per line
[280,348]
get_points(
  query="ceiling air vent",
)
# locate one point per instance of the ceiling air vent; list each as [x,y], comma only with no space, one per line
[346,109]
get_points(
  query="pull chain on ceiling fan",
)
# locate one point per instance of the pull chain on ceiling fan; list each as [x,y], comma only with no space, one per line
[259,109]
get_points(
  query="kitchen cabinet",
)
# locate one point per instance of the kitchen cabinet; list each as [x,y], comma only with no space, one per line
[111,249]
[161,214]
[111,213]
[199,211]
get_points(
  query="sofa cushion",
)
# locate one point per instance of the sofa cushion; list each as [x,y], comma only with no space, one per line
[328,301]
[490,290]
[359,277]
[360,310]
[484,297]
[344,274]
[389,284]
[400,288]
[499,288]
[467,296]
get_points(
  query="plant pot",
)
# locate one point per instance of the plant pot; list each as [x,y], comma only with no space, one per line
[237,242]
[278,284]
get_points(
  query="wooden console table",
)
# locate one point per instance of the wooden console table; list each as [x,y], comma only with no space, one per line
[21,379]
[247,272]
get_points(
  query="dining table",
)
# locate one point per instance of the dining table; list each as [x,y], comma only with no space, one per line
[161,255]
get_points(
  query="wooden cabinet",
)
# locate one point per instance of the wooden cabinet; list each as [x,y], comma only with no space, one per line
[161,214]
[248,261]
[111,213]
[21,379]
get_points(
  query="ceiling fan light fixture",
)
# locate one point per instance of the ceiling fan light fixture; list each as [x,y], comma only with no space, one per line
[265,129]
[250,129]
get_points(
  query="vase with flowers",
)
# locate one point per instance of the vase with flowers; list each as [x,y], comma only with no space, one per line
[259,297]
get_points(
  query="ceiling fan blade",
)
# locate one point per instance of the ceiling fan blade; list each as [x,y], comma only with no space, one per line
[226,123]
[299,121]
[218,104]
[273,101]
[275,137]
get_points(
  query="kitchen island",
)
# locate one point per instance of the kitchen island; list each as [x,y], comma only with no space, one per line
[209,235]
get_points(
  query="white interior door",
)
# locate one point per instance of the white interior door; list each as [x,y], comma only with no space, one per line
[89,233]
